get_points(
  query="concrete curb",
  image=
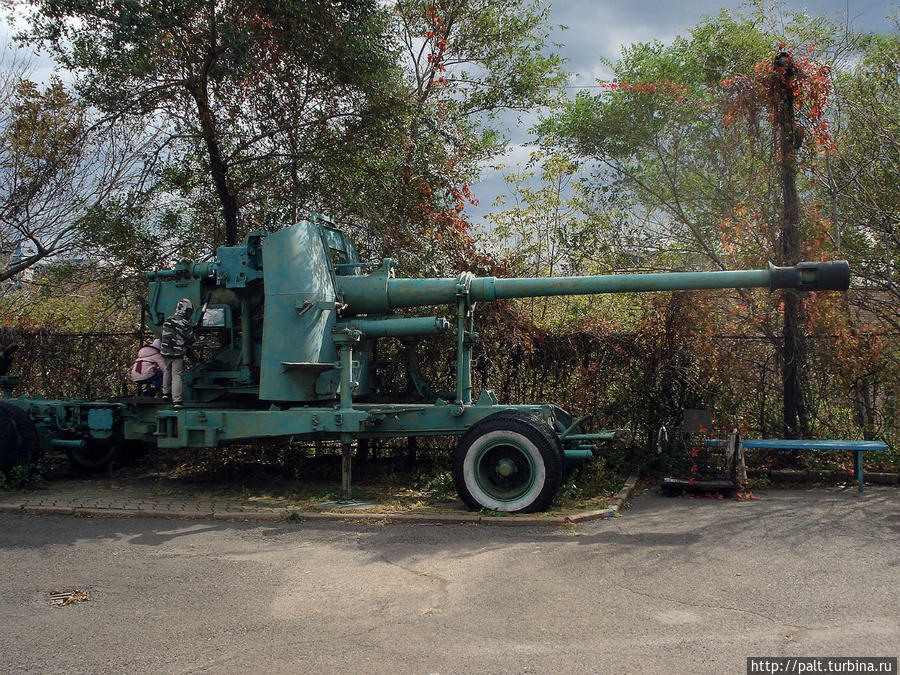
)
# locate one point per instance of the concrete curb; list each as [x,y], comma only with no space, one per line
[290,515]
[615,505]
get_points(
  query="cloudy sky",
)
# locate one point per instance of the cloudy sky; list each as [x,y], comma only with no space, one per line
[598,29]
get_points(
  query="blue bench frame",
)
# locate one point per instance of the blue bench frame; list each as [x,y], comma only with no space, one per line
[857,447]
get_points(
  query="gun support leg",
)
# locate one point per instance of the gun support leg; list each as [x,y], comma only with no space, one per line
[346,469]
[246,340]
[469,341]
[465,323]
[460,329]
[346,377]
[344,341]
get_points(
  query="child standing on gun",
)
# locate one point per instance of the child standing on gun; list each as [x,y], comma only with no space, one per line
[177,337]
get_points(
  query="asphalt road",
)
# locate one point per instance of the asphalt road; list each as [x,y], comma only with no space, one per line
[672,586]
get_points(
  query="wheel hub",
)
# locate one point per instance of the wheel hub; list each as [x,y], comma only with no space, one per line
[506,468]
[504,471]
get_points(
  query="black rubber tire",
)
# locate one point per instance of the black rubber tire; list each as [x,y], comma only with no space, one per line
[524,445]
[546,429]
[95,457]
[18,437]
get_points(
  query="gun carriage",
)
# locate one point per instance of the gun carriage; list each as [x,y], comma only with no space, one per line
[298,317]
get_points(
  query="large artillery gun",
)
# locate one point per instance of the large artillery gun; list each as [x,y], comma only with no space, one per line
[296,318]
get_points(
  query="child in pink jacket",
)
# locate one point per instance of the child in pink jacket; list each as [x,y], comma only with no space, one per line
[148,368]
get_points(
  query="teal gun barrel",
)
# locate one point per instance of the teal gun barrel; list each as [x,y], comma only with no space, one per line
[404,327]
[379,293]
[832,276]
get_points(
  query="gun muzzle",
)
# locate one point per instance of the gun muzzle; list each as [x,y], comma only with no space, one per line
[812,276]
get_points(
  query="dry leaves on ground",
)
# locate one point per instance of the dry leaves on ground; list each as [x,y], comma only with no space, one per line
[62,598]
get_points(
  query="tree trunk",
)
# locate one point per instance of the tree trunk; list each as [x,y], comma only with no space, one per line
[863,408]
[794,417]
[217,164]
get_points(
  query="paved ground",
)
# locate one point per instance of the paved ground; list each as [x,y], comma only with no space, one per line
[672,586]
[140,493]
[137,496]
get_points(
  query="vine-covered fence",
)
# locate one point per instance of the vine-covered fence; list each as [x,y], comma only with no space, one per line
[77,365]
[638,379]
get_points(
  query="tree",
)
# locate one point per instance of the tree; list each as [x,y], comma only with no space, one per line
[698,134]
[782,83]
[376,113]
[552,228]
[466,63]
[532,235]
[56,166]
[250,91]
[863,187]
[864,178]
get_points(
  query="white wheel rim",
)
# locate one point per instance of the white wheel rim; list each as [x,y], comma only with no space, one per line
[499,452]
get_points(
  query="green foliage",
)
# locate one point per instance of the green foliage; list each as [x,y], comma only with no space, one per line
[486,55]
[249,94]
[866,170]
[759,483]
[21,478]
[84,365]
[464,63]
[540,234]
[589,480]
[45,126]
[686,135]
[375,113]
[440,487]
[57,163]
[559,227]
[694,154]
[686,172]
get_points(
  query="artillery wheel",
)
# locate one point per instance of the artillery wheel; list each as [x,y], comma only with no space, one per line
[509,461]
[95,457]
[18,437]
[546,429]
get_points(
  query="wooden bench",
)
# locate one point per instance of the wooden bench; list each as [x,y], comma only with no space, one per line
[856,447]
